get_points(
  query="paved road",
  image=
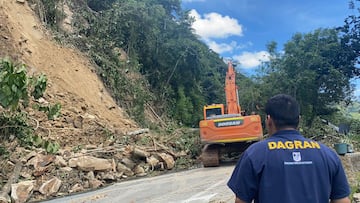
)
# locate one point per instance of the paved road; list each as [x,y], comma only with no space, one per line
[202,185]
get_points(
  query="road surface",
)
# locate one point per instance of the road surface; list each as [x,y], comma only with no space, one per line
[202,185]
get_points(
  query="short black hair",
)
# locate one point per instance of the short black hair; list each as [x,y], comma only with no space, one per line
[284,110]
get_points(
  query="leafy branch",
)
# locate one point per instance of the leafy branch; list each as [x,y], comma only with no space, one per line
[16,89]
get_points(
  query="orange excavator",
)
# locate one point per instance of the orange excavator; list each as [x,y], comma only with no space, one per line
[227,128]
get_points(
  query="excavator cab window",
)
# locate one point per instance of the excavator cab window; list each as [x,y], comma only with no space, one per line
[213,112]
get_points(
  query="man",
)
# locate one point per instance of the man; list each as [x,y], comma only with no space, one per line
[286,167]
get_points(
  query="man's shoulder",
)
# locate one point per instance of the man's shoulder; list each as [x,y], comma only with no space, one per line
[257,147]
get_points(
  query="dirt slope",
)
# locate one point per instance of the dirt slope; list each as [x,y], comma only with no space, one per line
[71,77]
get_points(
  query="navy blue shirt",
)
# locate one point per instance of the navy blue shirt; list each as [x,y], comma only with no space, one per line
[288,168]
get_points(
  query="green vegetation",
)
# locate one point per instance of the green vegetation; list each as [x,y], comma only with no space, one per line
[147,55]
[15,92]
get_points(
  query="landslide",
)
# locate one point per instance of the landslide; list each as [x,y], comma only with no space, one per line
[90,124]
[73,80]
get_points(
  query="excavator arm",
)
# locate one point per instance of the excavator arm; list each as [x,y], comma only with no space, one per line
[231,91]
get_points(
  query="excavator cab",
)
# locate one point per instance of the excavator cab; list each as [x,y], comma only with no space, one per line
[211,111]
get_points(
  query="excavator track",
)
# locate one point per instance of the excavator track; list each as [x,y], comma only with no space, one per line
[210,156]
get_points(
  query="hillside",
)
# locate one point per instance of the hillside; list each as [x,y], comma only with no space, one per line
[69,72]
[99,143]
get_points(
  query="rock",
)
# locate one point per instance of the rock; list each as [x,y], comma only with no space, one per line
[90,175]
[90,146]
[122,168]
[356,197]
[137,132]
[152,161]
[141,174]
[86,184]
[66,154]
[50,187]
[168,159]
[76,188]
[139,171]
[69,120]
[128,162]
[95,183]
[41,100]
[66,169]
[25,159]
[181,154]
[140,153]
[106,176]
[89,163]
[74,110]
[161,166]
[41,163]
[78,122]
[26,175]
[20,192]
[60,161]
[59,125]
[20,1]
[89,116]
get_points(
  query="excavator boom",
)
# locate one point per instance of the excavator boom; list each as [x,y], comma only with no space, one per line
[231,91]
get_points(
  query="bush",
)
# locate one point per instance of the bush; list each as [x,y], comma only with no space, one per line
[16,88]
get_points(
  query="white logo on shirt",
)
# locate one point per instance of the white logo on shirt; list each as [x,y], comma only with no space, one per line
[296,156]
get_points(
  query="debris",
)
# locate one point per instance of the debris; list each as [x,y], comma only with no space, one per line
[356,197]
[89,163]
[4,195]
[138,132]
[128,162]
[50,187]
[153,161]
[168,159]
[20,1]
[76,188]
[20,192]
[138,170]
[124,169]
[140,153]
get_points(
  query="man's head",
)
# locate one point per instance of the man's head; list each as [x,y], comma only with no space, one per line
[283,112]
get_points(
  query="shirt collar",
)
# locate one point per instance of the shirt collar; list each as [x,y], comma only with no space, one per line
[286,133]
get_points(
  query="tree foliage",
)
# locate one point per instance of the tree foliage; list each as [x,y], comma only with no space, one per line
[158,42]
[315,68]
[351,32]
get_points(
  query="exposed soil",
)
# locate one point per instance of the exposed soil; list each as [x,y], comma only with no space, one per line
[69,72]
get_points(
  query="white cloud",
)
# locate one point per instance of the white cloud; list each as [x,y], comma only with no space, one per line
[252,59]
[357,92]
[221,47]
[214,25]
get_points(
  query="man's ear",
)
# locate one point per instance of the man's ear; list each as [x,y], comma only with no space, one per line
[270,121]
[268,117]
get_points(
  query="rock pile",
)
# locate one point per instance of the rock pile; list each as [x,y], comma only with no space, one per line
[43,176]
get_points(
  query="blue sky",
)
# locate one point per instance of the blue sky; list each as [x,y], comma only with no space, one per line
[240,29]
